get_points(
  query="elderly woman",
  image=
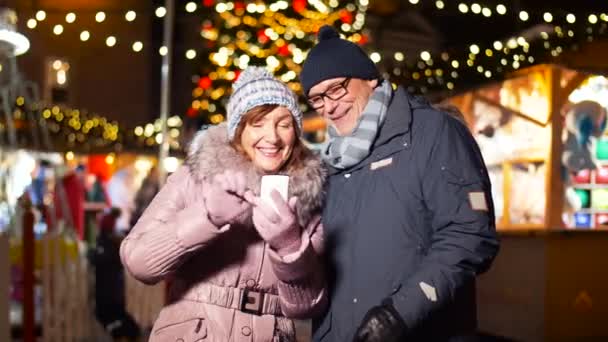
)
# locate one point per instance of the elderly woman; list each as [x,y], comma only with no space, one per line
[240,268]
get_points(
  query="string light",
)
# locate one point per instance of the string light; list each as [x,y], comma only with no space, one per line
[84,36]
[190,54]
[40,15]
[100,17]
[160,12]
[130,15]
[190,7]
[58,29]
[137,46]
[592,19]
[31,23]
[111,41]
[524,16]
[375,57]
[70,18]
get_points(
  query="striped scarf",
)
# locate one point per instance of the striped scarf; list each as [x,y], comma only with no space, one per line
[345,151]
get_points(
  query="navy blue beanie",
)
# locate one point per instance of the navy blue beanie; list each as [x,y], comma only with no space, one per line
[335,57]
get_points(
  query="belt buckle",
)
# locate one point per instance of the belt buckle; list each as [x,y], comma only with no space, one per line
[252,302]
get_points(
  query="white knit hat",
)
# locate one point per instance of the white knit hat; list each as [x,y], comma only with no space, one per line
[256,87]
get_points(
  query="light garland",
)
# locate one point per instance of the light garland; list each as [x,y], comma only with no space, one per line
[81,130]
[513,53]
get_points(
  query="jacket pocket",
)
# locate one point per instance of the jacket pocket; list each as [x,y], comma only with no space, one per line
[176,324]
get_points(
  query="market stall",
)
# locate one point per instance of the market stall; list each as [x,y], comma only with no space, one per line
[542,133]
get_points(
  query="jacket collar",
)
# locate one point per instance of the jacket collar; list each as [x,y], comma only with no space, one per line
[398,118]
[398,123]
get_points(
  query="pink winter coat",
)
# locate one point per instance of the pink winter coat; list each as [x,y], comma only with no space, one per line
[211,269]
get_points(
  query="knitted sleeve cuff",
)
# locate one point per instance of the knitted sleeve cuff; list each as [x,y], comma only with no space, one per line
[297,265]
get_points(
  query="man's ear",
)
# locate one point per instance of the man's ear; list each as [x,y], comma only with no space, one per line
[373,83]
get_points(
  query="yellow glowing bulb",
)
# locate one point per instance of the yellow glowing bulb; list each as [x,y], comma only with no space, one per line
[32,23]
[111,41]
[110,159]
[137,46]
[524,16]
[190,54]
[85,35]
[592,18]
[571,18]
[160,12]
[40,15]
[70,18]
[191,7]
[58,29]
[100,17]
[130,16]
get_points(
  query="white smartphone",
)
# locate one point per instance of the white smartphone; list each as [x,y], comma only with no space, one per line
[274,182]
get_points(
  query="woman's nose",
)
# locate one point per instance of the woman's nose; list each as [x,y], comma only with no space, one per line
[270,134]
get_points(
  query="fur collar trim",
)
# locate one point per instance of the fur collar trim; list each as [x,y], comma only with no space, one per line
[210,153]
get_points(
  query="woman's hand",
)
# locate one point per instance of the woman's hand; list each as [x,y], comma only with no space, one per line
[279,228]
[224,197]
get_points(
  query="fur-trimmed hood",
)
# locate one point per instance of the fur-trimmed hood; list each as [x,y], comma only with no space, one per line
[210,153]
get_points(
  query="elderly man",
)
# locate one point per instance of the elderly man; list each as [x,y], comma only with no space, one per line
[409,219]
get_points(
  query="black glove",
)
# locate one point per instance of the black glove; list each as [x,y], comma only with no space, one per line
[381,324]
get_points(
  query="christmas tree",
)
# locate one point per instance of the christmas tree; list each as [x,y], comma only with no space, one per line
[273,34]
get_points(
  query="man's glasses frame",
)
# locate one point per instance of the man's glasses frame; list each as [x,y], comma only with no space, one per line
[335,92]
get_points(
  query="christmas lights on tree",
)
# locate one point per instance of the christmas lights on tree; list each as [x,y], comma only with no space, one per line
[276,35]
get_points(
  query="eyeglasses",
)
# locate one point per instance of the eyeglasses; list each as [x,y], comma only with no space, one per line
[335,92]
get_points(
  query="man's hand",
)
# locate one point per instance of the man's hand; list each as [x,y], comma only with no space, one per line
[381,324]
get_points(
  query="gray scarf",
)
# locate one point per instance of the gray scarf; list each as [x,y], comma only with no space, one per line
[345,151]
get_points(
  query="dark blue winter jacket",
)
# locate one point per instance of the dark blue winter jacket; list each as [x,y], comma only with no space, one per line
[413,221]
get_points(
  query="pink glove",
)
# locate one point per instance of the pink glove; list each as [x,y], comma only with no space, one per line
[280,230]
[224,197]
